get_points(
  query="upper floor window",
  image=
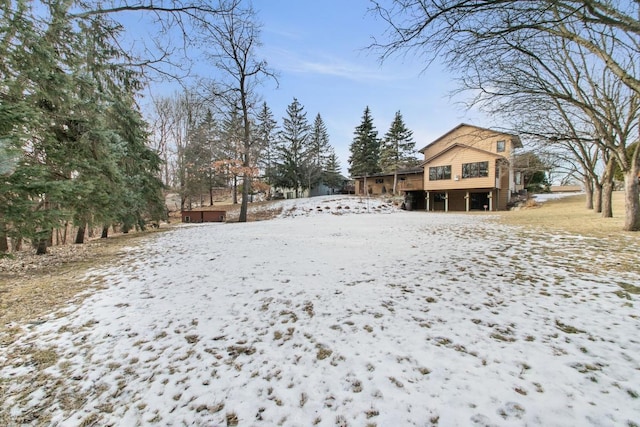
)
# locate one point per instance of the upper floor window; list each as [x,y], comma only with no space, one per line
[379,180]
[475,170]
[439,172]
[500,146]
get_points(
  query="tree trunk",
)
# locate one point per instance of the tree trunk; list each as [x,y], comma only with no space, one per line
[588,190]
[80,234]
[245,198]
[597,197]
[4,240]
[631,203]
[4,243]
[41,249]
[17,244]
[395,181]
[607,202]
[105,231]
[235,189]
[607,189]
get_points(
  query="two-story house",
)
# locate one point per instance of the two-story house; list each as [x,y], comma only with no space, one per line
[469,168]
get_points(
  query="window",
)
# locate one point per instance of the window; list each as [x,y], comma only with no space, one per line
[379,180]
[500,146]
[437,173]
[518,178]
[475,170]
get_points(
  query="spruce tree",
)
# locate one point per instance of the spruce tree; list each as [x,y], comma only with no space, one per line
[231,148]
[365,148]
[332,175]
[73,127]
[293,168]
[266,128]
[397,149]
[318,152]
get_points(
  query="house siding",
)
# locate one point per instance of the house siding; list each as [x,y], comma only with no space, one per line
[462,145]
[470,136]
[456,158]
[469,144]
[383,184]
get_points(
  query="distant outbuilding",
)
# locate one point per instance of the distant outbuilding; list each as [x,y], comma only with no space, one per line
[197,216]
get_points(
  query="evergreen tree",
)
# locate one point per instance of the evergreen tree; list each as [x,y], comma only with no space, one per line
[319,150]
[200,154]
[332,175]
[397,150]
[266,128]
[230,163]
[365,148]
[293,168]
[70,120]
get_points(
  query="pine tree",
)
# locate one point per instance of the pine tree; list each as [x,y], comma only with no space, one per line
[365,148]
[74,128]
[319,150]
[200,154]
[266,128]
[319,147]
[332,175]
[397,150]
[232,145]
[293,168]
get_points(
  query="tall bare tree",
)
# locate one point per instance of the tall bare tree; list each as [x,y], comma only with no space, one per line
[608,29]
[556,56]
[172,29]
[235,39]
[563,81]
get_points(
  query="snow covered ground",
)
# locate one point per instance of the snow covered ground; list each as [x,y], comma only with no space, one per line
[342,312]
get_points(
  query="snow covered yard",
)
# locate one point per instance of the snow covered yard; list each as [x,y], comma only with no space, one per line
[328,317]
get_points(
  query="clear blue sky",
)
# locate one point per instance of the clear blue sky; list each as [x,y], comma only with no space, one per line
[319,50]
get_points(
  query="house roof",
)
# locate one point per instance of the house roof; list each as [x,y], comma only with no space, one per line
[408,171]
[205,209]
[514,138]
[456,146]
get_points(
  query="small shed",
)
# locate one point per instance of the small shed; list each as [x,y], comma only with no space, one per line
[204,216]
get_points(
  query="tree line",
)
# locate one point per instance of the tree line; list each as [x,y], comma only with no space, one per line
[199,137]
[372,155]
[73,142]
[74,147]
[562,73]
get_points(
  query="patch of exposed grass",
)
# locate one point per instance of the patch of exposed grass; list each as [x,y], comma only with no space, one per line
[323,352]
[570,214]
[604,235]
[48,286]
[568,328]
[631,289]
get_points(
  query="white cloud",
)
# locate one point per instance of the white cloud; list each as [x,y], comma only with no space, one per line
[329,65]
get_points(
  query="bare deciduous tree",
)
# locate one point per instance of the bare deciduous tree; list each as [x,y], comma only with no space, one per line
[235,39]
[452,27]
[565,60]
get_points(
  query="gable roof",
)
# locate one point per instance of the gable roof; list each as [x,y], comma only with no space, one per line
[514,138]
[457,145]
